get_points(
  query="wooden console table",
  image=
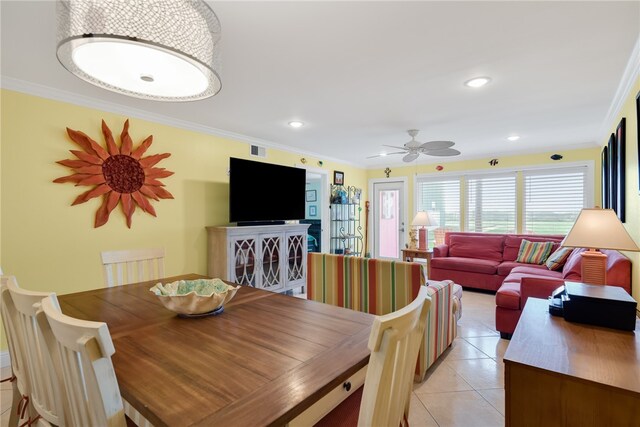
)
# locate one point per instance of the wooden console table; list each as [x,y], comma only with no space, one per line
[559,373]
[411,254]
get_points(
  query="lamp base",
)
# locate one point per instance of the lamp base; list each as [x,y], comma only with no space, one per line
[594,267]
[422,239]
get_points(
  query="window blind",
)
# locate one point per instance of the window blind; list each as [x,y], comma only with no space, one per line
[553,199]
[442,199]
[491,203]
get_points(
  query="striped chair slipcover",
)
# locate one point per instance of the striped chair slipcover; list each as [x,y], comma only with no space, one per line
[380,287]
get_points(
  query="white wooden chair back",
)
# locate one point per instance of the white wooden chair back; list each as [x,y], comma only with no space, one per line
[129,266]
[17,352]
[394,343]
[45,383]
[91,386]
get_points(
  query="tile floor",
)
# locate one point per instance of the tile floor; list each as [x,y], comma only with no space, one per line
[465,388]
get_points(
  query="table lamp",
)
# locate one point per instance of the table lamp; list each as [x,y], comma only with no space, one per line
[595,229]
[423,219]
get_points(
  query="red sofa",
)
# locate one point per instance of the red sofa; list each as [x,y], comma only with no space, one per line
[532,281]
[481,260]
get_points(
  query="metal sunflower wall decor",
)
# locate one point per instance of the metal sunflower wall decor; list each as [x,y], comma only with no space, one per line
[119,175]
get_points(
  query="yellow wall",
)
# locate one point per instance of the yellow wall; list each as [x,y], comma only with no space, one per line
[508,162]
[50,245]
[632,193]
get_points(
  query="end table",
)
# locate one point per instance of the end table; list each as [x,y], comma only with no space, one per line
[411,254]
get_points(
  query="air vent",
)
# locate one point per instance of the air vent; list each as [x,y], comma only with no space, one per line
[258,151]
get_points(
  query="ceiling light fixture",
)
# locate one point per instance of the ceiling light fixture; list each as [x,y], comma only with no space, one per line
[296,124]
[477,82]
[513,138]
[163,50]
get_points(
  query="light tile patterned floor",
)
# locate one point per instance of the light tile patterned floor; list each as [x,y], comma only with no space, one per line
[465,388]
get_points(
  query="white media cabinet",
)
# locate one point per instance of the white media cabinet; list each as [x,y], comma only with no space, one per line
[270,257]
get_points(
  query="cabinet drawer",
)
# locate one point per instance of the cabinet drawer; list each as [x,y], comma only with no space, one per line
[322,407]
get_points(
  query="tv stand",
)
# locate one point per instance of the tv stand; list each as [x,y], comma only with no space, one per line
[270,257]
[255,223]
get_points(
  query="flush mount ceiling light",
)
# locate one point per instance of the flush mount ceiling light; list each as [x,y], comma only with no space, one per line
[513,138]
[296,124]
[477,82]
[164,50]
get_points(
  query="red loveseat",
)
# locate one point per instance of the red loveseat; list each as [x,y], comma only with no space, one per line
[532,281]
[482,260]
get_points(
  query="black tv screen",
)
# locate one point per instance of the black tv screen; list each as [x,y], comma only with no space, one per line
[263,192]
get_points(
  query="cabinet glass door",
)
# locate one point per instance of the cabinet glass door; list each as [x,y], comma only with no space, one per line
[244,262]
[295,248]
[270,273]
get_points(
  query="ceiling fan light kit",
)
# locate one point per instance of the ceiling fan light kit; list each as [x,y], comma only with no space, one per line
[413,148]
[164,50]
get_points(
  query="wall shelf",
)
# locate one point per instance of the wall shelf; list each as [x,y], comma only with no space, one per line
[345,228]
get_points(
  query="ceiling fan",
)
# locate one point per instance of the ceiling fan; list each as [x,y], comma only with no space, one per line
[413,148]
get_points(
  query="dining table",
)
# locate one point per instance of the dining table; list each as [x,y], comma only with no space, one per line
[267,359]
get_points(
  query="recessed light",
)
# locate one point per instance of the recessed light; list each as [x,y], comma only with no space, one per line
[383,154]
[477,81]
[296,124]
[513,138]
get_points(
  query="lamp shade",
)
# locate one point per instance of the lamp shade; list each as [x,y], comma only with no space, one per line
[165,50]
[424,218]
[599,229]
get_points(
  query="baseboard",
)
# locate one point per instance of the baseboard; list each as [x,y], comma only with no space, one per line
[5,360]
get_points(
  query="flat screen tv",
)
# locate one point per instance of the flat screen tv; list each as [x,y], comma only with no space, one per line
[265,193]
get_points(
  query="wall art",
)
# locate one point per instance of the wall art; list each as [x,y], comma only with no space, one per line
[620,170]
[604,167]
[119,174]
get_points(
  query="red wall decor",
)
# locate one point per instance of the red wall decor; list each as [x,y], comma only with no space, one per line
[119,175]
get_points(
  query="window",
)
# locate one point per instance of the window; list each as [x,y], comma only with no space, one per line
[553,199]
[441,198]
[491,203]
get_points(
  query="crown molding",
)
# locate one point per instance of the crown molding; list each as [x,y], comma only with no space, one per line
[629,77]
[48,92]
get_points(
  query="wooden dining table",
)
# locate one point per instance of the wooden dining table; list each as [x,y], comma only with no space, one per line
[264,361]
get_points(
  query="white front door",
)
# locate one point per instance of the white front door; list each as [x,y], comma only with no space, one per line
[388,218]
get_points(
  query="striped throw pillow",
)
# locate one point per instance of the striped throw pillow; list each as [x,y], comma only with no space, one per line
[558,258]
[534,252]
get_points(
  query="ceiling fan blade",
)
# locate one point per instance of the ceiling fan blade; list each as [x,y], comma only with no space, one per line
[410,157]
[387,154]
[445,152]
[395,146]
[437,145]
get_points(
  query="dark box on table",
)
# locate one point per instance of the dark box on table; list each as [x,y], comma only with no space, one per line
[608,306]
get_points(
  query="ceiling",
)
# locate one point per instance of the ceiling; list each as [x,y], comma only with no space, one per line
[359,74]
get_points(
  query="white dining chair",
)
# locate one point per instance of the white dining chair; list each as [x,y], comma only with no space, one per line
[135,265]
[46,391]
[394,343]
[90,383]
[19,379]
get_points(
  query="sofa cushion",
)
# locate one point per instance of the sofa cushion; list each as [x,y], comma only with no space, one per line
[505,267]
[479,247]
[557,259]
[534,252]
[518,273]
[512,244]
[508,296]
[466,264]
[572,269]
